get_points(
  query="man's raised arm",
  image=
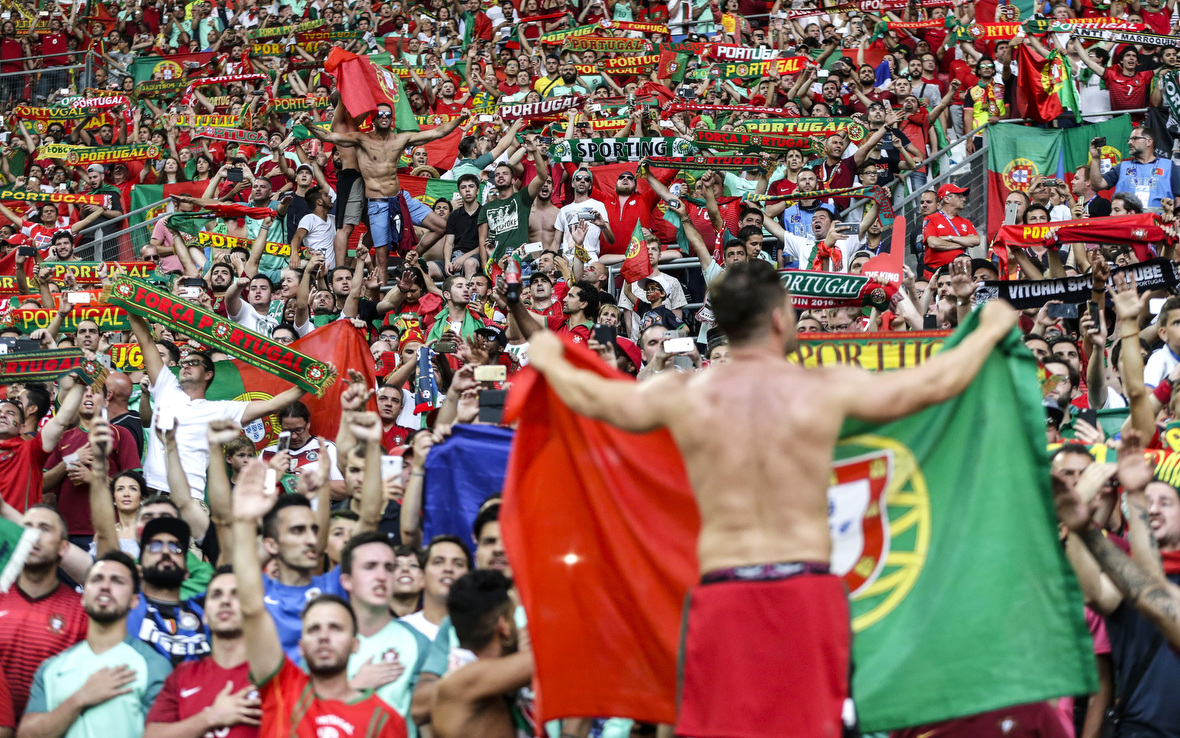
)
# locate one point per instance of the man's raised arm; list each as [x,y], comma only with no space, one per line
[884,397]
[434,134]
[252,500]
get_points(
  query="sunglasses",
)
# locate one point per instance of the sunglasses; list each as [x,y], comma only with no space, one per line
[581,178]
[384,115]
[626,175]
[191,363]
[158,546]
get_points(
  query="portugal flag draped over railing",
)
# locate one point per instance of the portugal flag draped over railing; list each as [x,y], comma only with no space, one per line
[364,85]
[943,529]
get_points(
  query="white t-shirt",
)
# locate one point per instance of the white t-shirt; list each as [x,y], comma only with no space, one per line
[418,622]
[170,402]
[568,216]
[252,320]
[1159,366]
[320,234]
[307,458]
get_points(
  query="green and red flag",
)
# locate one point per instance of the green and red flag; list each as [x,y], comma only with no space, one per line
[1045,85]
[1017,154]
[364,84]
[637,263]
[145,195]
[942,528]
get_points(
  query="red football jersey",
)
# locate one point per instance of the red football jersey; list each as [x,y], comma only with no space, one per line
[32,631]
[290,709]
[193,686]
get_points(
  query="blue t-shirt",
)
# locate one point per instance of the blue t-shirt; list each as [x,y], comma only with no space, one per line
[174,630]
[286,604]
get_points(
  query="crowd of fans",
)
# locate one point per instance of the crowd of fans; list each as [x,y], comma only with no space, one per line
[182,587]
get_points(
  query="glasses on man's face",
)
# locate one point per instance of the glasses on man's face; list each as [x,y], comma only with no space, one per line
[384,115]
[626,175]
[1137,138]
[150,257]
[171,547]
[191,363]
[581,178]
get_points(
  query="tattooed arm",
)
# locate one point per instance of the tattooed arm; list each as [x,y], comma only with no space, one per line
[1156,598]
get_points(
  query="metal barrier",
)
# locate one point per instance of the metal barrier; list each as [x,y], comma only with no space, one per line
[122,244]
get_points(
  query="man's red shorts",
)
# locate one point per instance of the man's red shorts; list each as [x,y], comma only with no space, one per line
[765,658]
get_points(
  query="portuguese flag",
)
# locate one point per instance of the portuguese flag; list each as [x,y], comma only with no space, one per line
[1045,85]
[143,195]
[428,189]
[364,84]
[1016,154]
[962,600]
[637,263]
[338,342]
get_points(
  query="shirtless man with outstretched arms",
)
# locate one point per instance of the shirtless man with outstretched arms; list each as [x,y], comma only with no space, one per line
[378,153]
[761,487]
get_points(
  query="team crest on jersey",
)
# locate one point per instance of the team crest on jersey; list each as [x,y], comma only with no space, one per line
[312,593]
[56,622]
[312,455]
[189,621]
[170,626]
[879,517]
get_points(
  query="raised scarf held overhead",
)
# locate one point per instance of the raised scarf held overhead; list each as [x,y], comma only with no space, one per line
[67,197]
[1156,274]
[49,366]
[855,131]
[187,97]
[604,150]
[614,25]
[757,141]
[212,330]
[716,163]
[552,106]
[77,155]
[1169,83]
[233,135]
[606,44]
[284,30]
[683,107]
[810,289]
[1137,231]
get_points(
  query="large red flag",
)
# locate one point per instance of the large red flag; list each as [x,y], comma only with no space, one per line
[1044,85]
[337,342]
[363,86]
[605,640]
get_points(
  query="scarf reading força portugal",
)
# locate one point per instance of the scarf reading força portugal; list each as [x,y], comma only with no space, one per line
[211,329]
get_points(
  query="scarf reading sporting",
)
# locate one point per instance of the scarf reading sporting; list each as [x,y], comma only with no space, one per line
[614,25]
[1156,274]
[1129,37]
[233,135]
[832,289]
[216,332]
[187,97]
[111,154]
[1169,85]
[610,150]
[284,30]
[876,193]
[714,163]
[855,131]
[49,366]
[538,109]
[66,197]
[758,142]
[606,44]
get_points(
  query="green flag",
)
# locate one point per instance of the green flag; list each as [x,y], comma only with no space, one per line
[16,541]
[1017,154]
[962,599]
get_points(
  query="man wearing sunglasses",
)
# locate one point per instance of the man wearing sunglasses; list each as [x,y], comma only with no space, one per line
[583,208]
[378,154]
[624,207]
[161,619]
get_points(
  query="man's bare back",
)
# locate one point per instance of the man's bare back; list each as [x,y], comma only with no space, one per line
[758,434]
[472,700]
[757,439]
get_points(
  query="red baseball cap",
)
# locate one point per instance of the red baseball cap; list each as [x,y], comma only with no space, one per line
[950,189]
